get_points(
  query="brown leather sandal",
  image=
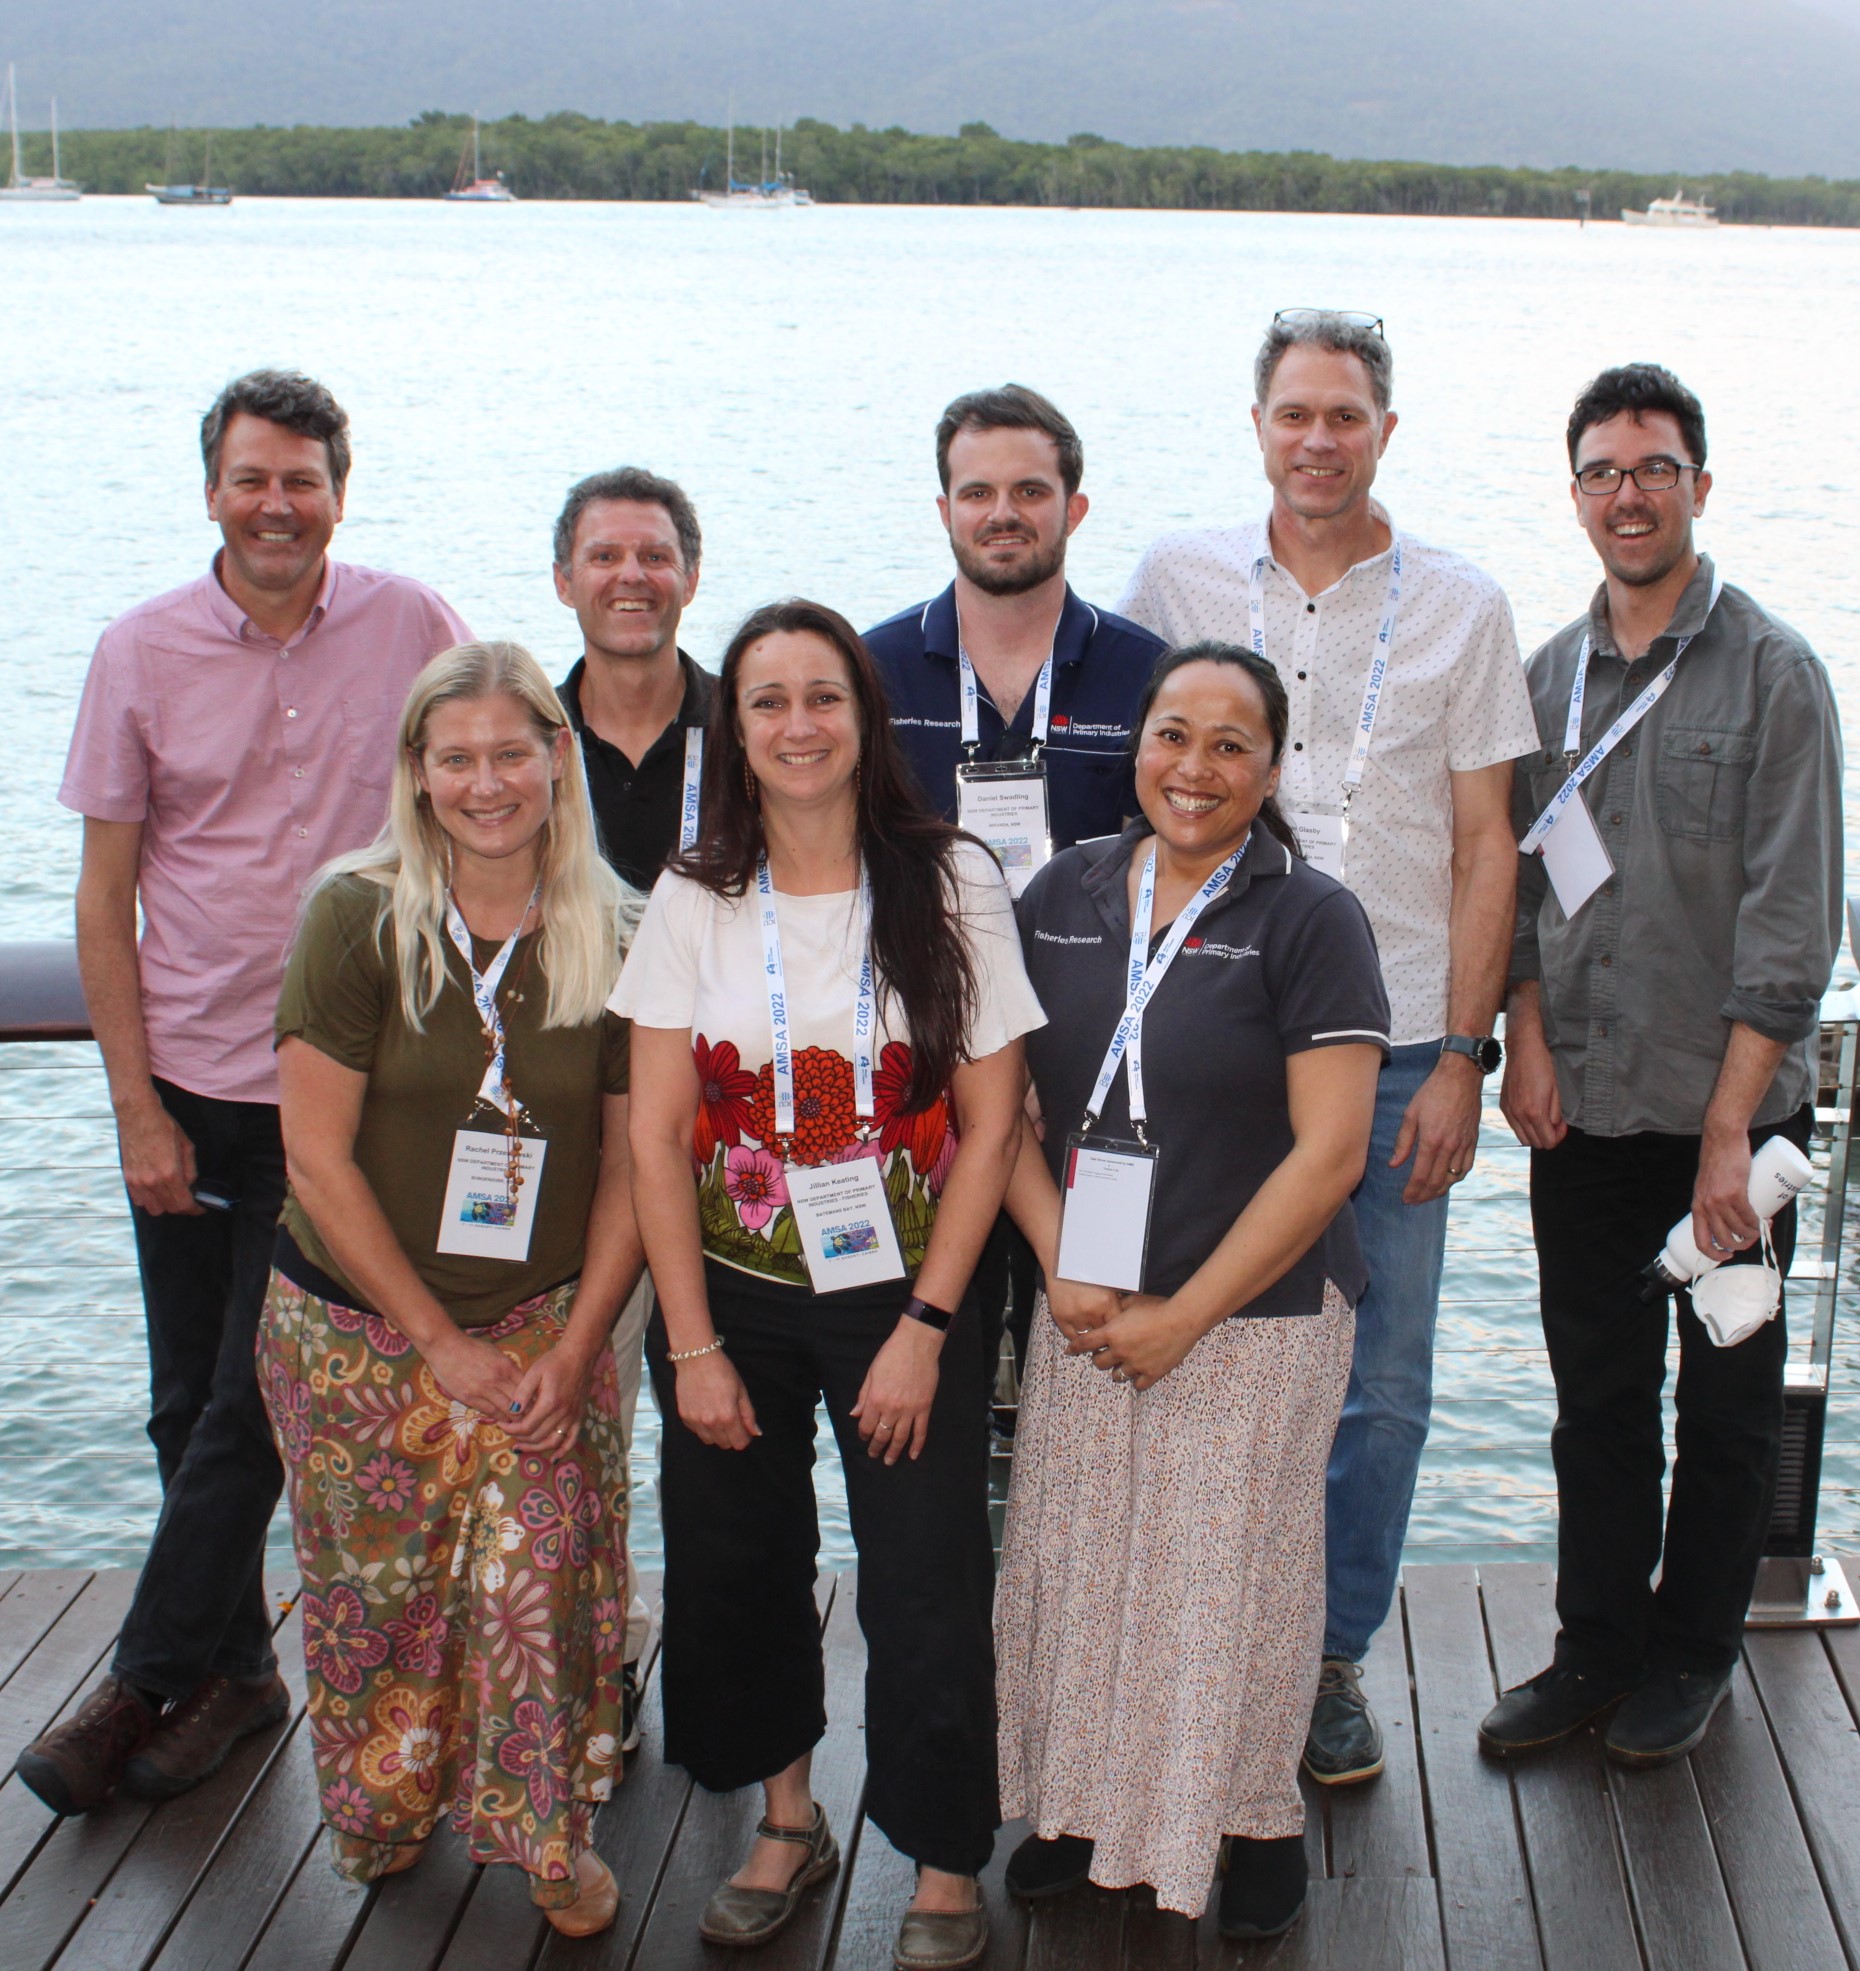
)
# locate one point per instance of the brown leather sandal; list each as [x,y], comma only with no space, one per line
[743,1917]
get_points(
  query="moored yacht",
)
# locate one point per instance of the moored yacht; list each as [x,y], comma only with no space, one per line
[472,187]
[1675,211]
[19,188]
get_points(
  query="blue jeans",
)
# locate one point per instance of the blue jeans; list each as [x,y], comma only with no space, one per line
[1377,1450]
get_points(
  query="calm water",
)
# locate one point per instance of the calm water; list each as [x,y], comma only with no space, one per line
[788,369]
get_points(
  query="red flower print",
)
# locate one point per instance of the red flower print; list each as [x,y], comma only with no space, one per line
[535,1750]
[338,1643]
[724,1091]
[420,1637]
[921,1131]
[561,1520]
[383,1337]
[825,1119]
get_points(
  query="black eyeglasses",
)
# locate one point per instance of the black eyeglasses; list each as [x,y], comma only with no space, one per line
[1651,476]
[1349,317]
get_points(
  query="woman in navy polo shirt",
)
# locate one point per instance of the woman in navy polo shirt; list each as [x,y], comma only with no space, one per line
[1159,1615]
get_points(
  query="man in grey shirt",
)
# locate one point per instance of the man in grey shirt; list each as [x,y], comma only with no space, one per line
[1670,957]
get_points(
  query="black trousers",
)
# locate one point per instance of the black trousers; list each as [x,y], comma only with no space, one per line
[1601,1208]
[743,1676]
[200,1604]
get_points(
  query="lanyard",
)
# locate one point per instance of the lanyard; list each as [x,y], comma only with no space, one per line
[864,1008]
[694,776]
[971,708]
[1378,656]
[1572,731]
[493,1090]
[1145,974]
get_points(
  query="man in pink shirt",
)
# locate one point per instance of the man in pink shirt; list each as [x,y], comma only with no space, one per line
[233,736]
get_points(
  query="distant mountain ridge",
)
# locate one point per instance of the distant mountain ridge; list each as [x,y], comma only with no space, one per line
[1762,85]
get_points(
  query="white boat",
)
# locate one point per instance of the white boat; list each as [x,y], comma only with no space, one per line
[1675,211]
[19,188]
[206,192]
[768,195]
[472,187]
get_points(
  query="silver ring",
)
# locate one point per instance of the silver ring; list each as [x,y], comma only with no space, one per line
[1118,1375]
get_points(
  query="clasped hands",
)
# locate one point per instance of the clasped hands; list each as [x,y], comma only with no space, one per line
[1134,1337]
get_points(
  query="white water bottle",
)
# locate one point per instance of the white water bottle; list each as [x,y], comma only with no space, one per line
[1778,1172]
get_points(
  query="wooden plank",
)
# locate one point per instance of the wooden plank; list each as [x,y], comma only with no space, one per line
[717,1828]
[1355,1923]
[310,1928]
[1815,1734]
[1380,1827]
[1584,1918]
[1485,1900]
[1782,1916]
[1685,1912]
[43,1597]
[120,1885]
[48,1686]
[1158,1939]
[409,1921]
[9,1579]
[1079,1931]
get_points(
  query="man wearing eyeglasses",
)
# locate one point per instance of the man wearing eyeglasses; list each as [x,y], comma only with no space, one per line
[1408,706]
[1678,918]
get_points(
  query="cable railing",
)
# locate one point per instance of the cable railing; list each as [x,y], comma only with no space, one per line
[73,1363]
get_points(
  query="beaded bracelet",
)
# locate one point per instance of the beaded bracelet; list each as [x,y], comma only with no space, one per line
[692,1354]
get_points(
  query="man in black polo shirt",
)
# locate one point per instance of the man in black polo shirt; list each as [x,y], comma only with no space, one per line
[1011,697]
[627,550]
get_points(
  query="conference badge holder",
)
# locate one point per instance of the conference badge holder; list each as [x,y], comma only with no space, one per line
[1004,803]
[844,1221]
[1322,835]
[1104,1221]
[491,1192]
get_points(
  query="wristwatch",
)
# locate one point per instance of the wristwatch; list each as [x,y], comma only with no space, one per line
[1481,1049]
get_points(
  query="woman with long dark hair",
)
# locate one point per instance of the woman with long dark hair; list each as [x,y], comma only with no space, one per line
[1207,1080]
[828,1002]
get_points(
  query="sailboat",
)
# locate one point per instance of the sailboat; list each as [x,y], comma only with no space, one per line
[475,188]
[766,195]
[204,193]
[19,187]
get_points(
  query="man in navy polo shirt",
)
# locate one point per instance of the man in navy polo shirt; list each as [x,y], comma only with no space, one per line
[1054,681]
[1038,756]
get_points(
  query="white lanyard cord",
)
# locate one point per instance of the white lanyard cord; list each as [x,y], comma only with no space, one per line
[694,780]
[494,1089]
[1145,974]
[971,701]
[775,978]
[1378,657]
[1572,731]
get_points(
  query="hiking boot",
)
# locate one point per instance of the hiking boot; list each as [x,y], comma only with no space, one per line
[192,1739]
[78,1765]
[1344,1742]
[1665,1717]
[1545,1708]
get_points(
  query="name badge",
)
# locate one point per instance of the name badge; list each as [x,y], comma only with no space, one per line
[844,1221]
[1575,857]
[1004,803]
[1320,835]
[1104,1221]
[478,1218]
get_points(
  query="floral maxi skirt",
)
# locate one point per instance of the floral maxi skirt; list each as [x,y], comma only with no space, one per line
[464,1603]
[1159,1615]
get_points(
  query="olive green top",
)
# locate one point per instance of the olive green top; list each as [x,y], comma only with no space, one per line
[342,995]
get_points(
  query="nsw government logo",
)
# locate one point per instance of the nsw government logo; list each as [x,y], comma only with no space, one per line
[1212,948]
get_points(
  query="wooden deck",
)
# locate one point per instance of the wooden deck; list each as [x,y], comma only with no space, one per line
[1745,1858]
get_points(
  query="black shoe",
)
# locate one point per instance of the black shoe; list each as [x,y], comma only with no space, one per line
[1344,1743]
[1263,1891]
[1665,1717]
[1546,1708]
[629,1707]
[1048,1868]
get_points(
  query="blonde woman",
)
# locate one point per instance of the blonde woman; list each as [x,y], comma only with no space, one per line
[458,1238]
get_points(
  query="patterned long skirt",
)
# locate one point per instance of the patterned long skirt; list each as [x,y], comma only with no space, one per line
[1160,1612]
[464,1603]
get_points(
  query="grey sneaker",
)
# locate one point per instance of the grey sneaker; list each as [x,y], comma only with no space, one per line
[1344,1743]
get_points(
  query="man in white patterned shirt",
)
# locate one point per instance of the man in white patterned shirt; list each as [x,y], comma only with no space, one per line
[1408,705]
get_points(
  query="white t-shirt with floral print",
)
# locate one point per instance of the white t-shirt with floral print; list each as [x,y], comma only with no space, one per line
[696,964]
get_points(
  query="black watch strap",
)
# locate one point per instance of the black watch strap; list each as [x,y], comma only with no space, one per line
[919,1309]
[1481,1049]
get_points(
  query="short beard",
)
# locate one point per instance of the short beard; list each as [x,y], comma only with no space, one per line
[1014,580]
